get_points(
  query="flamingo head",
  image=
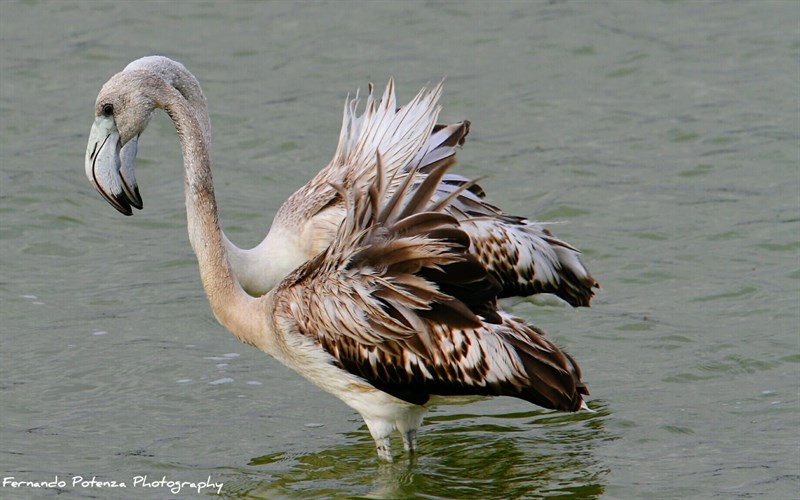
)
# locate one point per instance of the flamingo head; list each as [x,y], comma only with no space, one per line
[122,112]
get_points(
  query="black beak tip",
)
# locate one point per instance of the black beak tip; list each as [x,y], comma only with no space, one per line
[137,201]
[121,204]
[124,210]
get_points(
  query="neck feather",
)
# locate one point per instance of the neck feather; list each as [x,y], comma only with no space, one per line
[237,311]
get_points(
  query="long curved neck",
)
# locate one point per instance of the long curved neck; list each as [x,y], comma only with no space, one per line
[232,307]
[255,269]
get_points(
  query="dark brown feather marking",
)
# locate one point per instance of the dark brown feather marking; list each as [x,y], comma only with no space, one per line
[398,301]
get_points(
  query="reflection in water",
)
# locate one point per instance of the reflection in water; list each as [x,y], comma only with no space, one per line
[515,455]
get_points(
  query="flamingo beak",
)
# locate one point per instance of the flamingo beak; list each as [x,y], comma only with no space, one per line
[109,166]
[127,155]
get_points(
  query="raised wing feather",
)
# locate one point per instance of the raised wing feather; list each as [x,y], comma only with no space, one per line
[524,257]
[413,313]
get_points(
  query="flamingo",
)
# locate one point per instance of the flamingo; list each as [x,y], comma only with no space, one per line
[385,294]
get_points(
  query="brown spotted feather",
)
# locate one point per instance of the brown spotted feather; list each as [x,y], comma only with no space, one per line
[415,315]
[521,255]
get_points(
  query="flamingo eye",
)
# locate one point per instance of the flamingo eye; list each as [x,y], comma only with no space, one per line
[108,109]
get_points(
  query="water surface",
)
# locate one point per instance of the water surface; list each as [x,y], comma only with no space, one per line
[661,137]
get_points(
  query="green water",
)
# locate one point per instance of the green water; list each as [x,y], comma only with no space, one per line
[662,137]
